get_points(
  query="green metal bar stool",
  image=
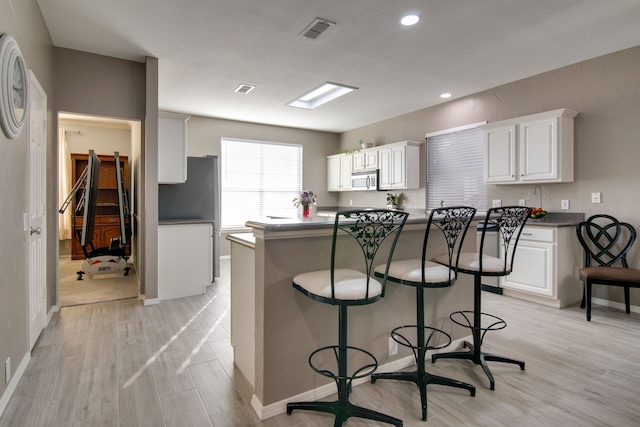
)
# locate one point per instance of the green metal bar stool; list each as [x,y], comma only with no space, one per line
[508,221]
[344,288]
[422,274]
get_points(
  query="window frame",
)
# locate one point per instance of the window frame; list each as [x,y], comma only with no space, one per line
[282,206]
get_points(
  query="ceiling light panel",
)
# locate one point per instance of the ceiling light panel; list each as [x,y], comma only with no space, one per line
[320,95]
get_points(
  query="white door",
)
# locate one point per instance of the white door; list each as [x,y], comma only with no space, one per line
[37,132]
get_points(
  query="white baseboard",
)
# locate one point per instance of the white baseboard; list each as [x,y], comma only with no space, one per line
[13,383]
[149,301]
[613,304]
[265,412]
[54,309]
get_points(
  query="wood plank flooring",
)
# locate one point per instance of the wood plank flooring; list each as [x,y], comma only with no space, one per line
[122,364]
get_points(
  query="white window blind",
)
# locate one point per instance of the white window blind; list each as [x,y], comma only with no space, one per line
[455,169]
[258,179]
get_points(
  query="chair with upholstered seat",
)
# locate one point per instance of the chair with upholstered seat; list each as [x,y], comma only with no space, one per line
[346,287]
[606,242]
[508,222]
[453,223]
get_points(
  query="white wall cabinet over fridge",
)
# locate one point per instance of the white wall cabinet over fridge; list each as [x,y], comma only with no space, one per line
[172,147]
[399,165]
[531,149]
[339,168]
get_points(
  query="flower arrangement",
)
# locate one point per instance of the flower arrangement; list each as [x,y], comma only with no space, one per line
[306,198]
[392,199]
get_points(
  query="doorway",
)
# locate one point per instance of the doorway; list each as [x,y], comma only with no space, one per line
[77,134]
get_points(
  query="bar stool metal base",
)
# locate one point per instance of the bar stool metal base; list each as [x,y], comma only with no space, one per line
[422,379]
[344,410]
[473,321]
[420,376]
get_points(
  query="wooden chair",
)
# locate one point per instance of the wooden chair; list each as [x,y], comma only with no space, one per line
[606,242]
[453,223]
[344,288]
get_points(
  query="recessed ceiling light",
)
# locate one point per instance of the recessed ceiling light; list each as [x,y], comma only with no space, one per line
[410,20]
[445,95]
[318,96]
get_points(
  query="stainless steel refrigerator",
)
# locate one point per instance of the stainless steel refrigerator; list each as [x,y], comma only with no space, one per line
[196,199]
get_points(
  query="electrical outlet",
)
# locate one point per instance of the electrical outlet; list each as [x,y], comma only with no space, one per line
[7,370]
[522,202]
[393,347]
[564,204]
[496,203]
[596,197]
[350,202]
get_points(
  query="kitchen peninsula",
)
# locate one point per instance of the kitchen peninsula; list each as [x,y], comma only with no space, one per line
[274,329]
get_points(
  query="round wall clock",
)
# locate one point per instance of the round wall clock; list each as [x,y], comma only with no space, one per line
[13,87]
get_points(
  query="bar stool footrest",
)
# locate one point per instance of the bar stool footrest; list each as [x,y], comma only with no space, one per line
[431,333]
[363,371]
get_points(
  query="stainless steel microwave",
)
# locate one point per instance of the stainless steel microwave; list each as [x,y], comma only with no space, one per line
[364,180]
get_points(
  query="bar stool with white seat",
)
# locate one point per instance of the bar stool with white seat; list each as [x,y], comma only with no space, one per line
[453,223]
[508,221]
[348,287]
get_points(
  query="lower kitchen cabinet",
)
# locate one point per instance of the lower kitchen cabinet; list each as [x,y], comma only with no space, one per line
[546,267]
[185,259]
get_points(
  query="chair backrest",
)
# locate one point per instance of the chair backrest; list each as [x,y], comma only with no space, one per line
[453,222]
[605,240]
[369,227]
[508,222]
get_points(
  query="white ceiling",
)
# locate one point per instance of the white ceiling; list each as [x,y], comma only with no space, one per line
[207,48]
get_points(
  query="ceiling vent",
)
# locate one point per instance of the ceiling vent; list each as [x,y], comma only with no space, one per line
[317,27]
[244,89]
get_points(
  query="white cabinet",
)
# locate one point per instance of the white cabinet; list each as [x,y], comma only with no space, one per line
[531,149]
[399,165]
[185,259]
[172,147]
[545,267]
[339,168]
[365,159]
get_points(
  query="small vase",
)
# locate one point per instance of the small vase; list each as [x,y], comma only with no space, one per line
[305,212]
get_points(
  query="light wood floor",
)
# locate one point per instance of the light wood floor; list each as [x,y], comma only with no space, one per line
[121,364]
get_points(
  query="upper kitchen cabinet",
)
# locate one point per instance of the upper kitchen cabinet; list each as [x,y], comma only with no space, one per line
[172,148]
[399,165]
[366,159]
[530,150]
[339,168]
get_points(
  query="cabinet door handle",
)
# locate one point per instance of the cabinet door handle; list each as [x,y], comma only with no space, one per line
[527,234]
[35,230]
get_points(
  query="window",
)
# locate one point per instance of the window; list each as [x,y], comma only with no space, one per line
[258,179]
[455,168]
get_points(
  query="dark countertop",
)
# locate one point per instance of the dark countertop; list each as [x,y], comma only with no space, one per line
[321,220]
[245,239]
[558,219]
[181,221]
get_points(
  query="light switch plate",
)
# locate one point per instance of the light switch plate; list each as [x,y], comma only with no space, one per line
[496,203]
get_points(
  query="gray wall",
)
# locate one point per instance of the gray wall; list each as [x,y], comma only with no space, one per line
[204,134]
[22,20]
[606,93]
